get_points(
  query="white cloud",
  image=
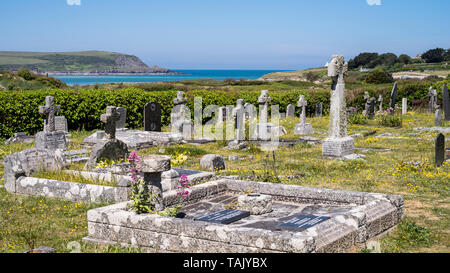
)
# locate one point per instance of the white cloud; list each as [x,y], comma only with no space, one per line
[74,2]
[374,2]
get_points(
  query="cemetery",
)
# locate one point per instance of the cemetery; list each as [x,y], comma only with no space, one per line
[243,177]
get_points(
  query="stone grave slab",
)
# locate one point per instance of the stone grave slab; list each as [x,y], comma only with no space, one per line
[225,216]
[302,222]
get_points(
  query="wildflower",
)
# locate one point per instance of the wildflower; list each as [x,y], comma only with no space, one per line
[134,158]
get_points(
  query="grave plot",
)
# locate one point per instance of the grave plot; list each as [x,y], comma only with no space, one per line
[221,216]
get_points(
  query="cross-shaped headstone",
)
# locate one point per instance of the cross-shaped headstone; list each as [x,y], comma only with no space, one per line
[302,103]
[110,119]
[50,110]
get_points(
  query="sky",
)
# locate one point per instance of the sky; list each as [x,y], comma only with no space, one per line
[231,34]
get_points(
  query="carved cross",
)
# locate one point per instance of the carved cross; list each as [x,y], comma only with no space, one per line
[110,119]
[50,110]
[302,103]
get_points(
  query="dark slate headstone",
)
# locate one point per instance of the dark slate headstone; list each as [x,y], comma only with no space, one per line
[439,155]
[393,96]
[446,102]
[226,216]
[371,110]
[318,111]
[302,222]
[123,117]
[152,117]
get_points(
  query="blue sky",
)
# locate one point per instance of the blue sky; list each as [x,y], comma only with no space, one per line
[231,34]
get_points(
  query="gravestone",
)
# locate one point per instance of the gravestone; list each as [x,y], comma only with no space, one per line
[338,143]
[120,124]
[290,111]
[61,124]
[180,117]
[438,117]
[318,110]
[393,96]
[153,166]
[404,106]
[371,109]
[439,154]
[225,217]
[50,138]
[432,102]
[110,148]
[302,222]
[303,128]
[265,130]
[380,100]
[446,102]
[367,104]
[152,117]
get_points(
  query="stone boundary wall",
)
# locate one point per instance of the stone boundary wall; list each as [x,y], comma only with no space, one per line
[372,215]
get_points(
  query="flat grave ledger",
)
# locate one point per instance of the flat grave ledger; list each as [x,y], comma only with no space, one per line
[302,222]
[225,216]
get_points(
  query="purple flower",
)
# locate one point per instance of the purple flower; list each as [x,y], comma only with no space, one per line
[134,157]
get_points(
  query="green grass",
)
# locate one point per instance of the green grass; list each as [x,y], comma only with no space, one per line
[426,227]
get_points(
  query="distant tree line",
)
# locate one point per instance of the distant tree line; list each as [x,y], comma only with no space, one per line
[372,60]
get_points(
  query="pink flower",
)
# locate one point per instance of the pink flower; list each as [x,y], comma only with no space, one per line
[134,157]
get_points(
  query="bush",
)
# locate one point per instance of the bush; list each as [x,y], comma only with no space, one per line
[358,119]
[378,77]
[26,74]
[390,120]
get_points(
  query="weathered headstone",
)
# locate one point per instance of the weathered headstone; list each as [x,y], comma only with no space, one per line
[439,155]
[111,148]
[152,117]
[393,96]
[212,162]
[432,103]
[438,117]
[265,130]
[50,138]
[371,109]
[338,143]
[303,128]
[380,100]
[290,111]
[120,124]
[446,101]
[367,104]
[404,106]
[239,127]
[180,117]
[152,167]
[318,110]
[61,124]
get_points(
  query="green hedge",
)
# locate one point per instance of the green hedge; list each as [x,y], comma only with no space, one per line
[82,108]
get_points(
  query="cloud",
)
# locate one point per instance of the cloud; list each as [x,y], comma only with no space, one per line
[374,2]
[77,2]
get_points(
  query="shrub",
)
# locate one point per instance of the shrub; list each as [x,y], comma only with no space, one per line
[358,119]
[390,120]
[378,77]
[26,74]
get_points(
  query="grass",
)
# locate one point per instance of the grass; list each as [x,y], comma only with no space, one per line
[426,227]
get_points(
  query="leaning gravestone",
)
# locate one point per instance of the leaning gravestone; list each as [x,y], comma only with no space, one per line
[446,101]
[393,96]
[120,124]
[152,117]
[338,143]
[290,111]
[303,128]
[50,138]
[111,148]
[439,156]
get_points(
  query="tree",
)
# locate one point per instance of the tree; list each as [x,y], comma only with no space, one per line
[447,55]
[404,59]
[26,74]
[379,76]
[436,55]
[362,59]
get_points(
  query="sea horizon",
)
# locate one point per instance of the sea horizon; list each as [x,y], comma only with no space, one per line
[188,74]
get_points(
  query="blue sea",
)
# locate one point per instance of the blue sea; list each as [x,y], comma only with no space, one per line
[219,75]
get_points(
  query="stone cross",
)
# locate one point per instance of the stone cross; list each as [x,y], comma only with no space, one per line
[264,100]
[432,94]
[110,119]
[180,99]
[302,103]
[446,101]
[239,128]
[439,155]
[338,110]
[380,100]
[393,96]
[367,104]
[50,110]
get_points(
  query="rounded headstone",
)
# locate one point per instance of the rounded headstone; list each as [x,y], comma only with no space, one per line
[212,162]
[155,163]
